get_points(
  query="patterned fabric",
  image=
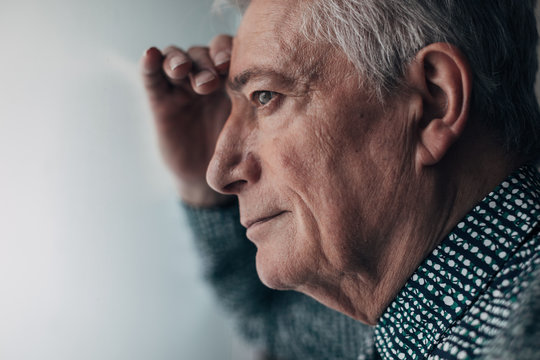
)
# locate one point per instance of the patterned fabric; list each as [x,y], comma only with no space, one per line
[465,292]
[287,325]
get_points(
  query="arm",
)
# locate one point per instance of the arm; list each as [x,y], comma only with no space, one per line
[186,94]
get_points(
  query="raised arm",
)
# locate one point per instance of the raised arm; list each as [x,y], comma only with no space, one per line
[186,93]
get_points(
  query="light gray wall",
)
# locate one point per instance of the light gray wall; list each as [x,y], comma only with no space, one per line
[95,262]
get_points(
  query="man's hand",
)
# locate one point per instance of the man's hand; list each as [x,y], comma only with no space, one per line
[190,106]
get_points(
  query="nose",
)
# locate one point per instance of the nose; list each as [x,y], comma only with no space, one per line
[234,165]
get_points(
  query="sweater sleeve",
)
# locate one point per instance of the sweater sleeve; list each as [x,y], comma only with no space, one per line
[286,324]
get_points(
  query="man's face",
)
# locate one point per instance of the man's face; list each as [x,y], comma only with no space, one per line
[314,161]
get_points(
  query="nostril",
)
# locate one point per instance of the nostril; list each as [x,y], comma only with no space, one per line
[232,167]
[234,186]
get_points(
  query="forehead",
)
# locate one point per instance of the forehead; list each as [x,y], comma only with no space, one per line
[267,23]
[269,37]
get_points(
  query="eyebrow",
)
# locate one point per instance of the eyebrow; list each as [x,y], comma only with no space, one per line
[240,80]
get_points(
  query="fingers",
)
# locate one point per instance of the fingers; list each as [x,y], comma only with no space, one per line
[200,69]
[194,67]
[156,84]
[220,52]
[204,77]
[177,64]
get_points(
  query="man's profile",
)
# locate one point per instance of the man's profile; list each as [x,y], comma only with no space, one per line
[380,153]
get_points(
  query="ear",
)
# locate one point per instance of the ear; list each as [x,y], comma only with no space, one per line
[443,77]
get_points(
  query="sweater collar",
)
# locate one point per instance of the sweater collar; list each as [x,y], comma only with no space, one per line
[452,277]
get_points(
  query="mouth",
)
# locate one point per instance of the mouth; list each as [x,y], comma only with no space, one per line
[258,221]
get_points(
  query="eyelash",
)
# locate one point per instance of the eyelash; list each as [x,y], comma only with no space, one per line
[256,94]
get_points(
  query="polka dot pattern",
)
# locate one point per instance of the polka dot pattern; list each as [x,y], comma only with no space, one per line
[463,294]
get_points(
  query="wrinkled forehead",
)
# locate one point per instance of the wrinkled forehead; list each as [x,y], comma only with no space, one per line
[270,36]
[269,22]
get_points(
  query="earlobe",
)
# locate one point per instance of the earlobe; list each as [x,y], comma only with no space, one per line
[434,141]
[442,75]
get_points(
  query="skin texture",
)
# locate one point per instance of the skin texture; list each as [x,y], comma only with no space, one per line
[341,194]
[311,156]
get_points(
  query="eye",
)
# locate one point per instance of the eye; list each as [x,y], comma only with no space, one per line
[263,97]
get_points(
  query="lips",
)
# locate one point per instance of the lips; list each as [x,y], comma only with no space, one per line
[260,220]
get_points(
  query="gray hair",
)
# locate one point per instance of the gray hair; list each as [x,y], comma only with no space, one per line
[499,38]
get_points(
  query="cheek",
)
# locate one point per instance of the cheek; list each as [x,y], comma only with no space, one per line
[310,180]
[290,165]
[304,158]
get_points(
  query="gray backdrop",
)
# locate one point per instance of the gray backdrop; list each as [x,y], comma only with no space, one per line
[95,261]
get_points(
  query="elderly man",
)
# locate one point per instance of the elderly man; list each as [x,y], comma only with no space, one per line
[378,151]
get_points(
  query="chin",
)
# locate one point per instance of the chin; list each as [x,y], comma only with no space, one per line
[278,275]
[269,273]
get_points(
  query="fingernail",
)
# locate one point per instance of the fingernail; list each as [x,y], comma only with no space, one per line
[204,77]
[222,57]
[150,49]
[176,62]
